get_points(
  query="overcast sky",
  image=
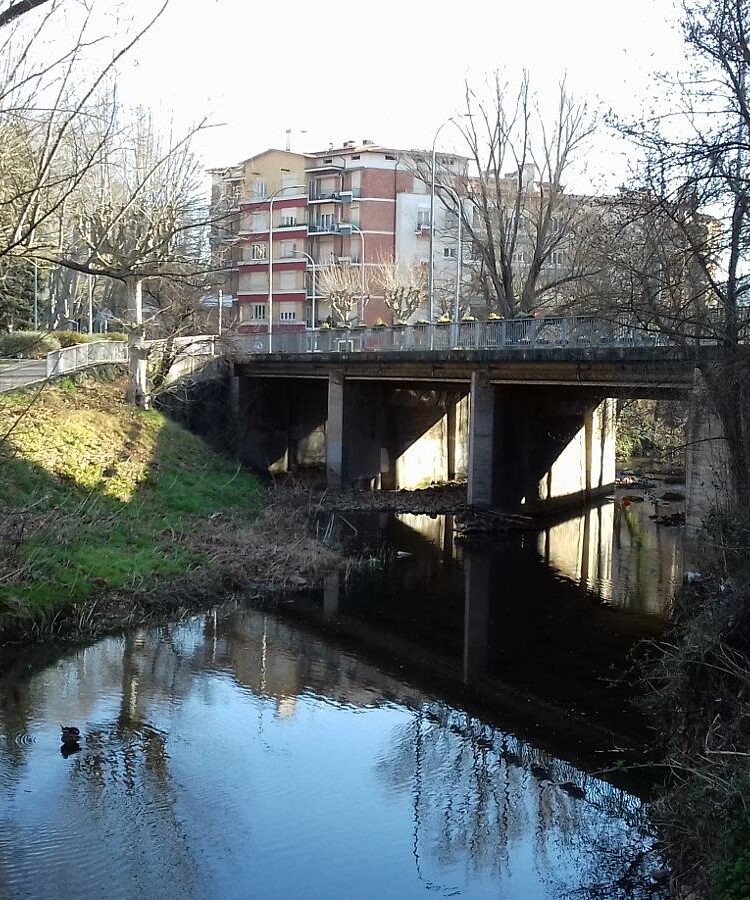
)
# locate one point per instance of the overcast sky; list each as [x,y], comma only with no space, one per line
[388,70]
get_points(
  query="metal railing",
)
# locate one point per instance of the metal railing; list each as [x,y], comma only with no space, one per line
[81,356]
[555,332]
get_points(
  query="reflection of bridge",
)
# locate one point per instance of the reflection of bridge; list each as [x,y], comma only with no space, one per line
[523,409]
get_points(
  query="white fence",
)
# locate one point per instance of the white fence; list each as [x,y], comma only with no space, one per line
[81,356]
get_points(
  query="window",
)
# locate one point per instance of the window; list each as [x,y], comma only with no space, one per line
[258,251]
[287,281]
[326,161]
[288,218]
[258,222]
[260,190]
[519,256]
[325,223]
[423,218]
[449,252]
[390,156]
[290,181]
[357,156]
[288,249]
[558,257]
[259,311]
[287,316]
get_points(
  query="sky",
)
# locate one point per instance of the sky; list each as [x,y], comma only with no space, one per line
[388,70]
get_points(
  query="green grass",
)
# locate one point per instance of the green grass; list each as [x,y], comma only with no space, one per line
[109,497]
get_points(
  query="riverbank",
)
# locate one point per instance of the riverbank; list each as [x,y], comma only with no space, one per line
[112,516]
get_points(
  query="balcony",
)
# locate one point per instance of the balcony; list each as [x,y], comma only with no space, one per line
[324,227]
[351,194]
[289,226]
[324,196]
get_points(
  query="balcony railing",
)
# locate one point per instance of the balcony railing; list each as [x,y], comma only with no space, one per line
[324,196]
[324,227]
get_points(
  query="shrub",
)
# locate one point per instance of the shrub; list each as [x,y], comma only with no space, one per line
[71,338]
[112,336]
[28,344]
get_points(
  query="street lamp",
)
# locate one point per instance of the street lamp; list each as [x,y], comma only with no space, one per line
[272,199]
[431,288]
[356,228]
[312,264]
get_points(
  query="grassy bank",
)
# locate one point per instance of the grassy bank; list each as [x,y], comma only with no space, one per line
[100,501]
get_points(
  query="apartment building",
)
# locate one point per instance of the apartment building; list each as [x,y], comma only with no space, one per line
[356,205]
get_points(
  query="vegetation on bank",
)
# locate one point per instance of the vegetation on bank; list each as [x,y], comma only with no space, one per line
[101,500]
[96,494]
[653,430]
[700,698]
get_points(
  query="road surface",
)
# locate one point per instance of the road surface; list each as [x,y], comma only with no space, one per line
[15,374]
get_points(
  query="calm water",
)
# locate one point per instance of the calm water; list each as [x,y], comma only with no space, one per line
[377,741]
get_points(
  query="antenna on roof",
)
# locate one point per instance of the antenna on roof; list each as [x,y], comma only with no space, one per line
[288,144]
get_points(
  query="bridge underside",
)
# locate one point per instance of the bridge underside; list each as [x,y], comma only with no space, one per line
[529,434]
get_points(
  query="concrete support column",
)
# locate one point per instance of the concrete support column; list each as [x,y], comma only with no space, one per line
[476,614]
[707,466]
[481,440]
[335,432]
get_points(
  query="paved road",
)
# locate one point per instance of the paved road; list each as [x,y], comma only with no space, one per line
[19,374]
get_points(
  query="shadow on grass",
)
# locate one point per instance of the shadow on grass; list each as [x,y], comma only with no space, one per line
[96,496]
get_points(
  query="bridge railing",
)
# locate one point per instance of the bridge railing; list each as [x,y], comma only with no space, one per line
[81,356]
[550,332]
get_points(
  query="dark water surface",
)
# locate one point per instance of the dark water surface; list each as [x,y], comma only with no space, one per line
[375,742]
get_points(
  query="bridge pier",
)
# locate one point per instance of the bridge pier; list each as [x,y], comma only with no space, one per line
[537,449]
[707,468]
[392,435]
[480,487]
[280,422]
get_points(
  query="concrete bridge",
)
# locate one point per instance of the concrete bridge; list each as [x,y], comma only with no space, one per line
[524,411]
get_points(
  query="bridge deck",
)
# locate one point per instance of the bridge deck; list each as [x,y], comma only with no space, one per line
[665,369]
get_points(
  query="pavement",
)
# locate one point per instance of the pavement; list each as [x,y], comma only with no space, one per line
[20,373]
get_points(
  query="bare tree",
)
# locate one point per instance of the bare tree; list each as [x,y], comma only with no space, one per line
[342,286]
[684,227]
[403,290]
[517,216]
[18,9]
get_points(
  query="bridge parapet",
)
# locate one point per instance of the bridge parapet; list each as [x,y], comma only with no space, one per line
[552,332]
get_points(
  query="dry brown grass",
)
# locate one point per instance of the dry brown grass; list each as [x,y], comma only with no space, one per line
[278,550]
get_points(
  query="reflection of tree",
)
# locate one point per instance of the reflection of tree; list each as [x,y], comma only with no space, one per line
[473,794]
[124,771]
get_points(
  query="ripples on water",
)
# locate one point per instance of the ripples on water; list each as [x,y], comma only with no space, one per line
[240,756]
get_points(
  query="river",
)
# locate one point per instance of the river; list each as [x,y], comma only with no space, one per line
[440,722]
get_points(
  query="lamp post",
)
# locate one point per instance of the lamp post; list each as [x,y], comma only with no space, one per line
[431,286]
[362,264]
[271,200]
[312,264]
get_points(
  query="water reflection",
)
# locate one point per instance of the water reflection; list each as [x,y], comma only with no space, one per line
[242,755]
[555,612]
